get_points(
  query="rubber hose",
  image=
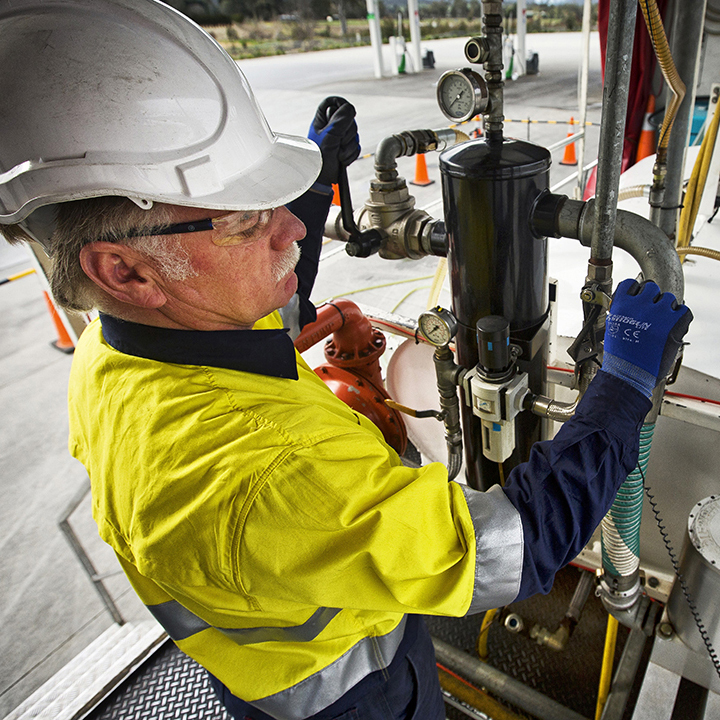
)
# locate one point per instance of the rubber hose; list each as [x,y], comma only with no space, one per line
[621,526]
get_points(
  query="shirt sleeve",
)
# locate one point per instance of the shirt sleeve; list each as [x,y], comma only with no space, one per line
[343,524]
[312,208]
[568,484]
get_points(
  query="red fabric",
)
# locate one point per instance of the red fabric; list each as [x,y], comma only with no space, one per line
[641,76]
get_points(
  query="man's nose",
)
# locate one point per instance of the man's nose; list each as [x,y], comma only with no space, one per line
[289,229]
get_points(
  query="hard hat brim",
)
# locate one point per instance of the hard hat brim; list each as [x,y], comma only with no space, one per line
[287,171]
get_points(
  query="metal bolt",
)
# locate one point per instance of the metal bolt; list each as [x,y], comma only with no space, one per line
[587,295]
[665,630]
[653,582]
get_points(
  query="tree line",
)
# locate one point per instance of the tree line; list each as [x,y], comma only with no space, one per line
[541,16]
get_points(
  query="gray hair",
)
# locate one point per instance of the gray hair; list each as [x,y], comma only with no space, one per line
[110,219]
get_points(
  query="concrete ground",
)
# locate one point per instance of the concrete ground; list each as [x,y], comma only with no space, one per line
[49,610]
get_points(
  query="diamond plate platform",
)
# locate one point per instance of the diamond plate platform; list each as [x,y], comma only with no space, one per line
[570,677]
[169,686]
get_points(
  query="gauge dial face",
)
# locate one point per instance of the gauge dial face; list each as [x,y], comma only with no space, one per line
[461,94]
[435,328]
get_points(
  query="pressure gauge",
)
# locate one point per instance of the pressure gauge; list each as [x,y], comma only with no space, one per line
[462,94]
[437,326]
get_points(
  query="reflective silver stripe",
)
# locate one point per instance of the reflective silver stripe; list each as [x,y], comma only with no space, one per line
[498,547]
[309,630]
[316,692]
[180,624]
[178,621]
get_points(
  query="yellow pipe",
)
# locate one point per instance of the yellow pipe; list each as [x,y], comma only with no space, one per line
[667,66]
[607,665]
[696,186]
[482,650]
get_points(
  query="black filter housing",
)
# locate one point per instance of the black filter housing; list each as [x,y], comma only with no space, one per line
[498,266]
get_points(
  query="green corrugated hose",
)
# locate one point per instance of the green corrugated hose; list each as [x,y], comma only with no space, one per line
[621,525]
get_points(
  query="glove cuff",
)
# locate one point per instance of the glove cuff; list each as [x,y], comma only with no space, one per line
[320,187]
[640,379]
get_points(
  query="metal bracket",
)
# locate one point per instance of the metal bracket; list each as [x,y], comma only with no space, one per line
[593,294]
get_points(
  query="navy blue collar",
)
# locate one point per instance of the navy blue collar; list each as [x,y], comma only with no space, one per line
[262,352]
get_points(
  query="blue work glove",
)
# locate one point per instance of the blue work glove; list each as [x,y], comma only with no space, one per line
[334,130]
[643,334]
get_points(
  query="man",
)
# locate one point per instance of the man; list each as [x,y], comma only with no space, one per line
[270,529]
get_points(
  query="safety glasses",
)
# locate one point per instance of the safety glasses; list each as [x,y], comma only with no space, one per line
[233,228]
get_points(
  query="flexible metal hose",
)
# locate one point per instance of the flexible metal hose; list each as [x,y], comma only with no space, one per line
[633,191]
[705,252]
[696,186]
[621,526]
[658,37]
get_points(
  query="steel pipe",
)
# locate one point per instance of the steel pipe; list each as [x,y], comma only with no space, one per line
[502,685]
[647,244]
[83,557]
[688,23]
[627,668]
[493,32]
[618,61]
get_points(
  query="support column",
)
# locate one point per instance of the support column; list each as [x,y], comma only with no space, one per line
[520,64]
[415,49]
[375,37]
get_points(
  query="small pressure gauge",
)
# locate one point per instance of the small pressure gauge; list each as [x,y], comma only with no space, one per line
[437,326]
[462,94]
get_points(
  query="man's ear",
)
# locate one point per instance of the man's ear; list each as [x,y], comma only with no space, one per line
[123,273]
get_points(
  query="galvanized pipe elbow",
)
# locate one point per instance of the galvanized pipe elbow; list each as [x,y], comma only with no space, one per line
[558,216]
[411,142]
[389,149]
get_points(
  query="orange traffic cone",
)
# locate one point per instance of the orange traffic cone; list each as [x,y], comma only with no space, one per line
[64,343]
[569,158]
[476,133]
[647,143]
[421,173]
[336,194]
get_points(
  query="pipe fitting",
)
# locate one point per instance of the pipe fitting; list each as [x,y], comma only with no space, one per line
[403,230]
[555,641]
[619,593]
[558,640]
[477,50]
[492,28]
[553,409]
[514,623]
[410,142]
[448,376]
[646,243]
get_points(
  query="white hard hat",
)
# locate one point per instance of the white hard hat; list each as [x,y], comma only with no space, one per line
[131,98]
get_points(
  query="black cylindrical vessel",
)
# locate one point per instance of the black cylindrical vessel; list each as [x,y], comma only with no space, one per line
[498,266]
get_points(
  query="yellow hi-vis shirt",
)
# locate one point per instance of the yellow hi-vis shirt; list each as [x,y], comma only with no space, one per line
[270,528]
